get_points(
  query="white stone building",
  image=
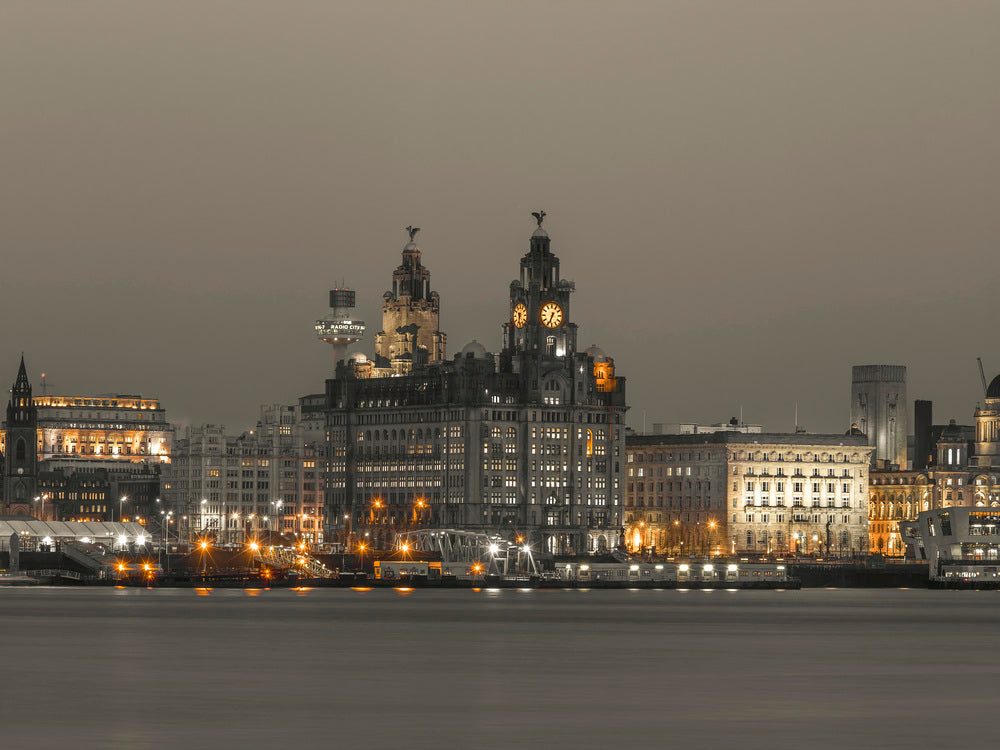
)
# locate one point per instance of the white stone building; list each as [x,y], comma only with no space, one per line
[733,493]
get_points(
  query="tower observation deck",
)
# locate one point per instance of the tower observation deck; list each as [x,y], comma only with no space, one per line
[338,328]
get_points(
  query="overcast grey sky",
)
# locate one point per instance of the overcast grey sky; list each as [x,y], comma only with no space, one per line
[751,197]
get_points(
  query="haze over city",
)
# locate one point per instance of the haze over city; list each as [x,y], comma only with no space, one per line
[749,199]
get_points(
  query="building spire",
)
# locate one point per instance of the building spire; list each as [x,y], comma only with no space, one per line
[22,385]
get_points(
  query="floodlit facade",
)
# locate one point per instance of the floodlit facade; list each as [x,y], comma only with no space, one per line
[130,428]
[734,493]
[410,335]
[954,479]
[527,442]
[879,409]
[70,457]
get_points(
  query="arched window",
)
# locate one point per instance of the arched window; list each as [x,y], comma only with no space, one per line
[19,450]
[749,539]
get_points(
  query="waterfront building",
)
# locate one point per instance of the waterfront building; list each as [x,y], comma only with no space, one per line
[879,409]
[77,456]
[735,493]
[526,442]
[265,479]
[954,477]
[108,492]
[960,544]
[987,448]
[410,335]
[19,443]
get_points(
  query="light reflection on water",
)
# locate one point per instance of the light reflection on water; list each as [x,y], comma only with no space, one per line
[488,668]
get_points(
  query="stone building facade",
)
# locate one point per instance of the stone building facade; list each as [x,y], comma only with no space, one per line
[958,476]
[733,493]
[69,457]
[410,335]
[20,447]
[879,408]
[527,442]
[270,478]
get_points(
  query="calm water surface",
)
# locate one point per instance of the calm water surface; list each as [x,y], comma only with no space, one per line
[173,668]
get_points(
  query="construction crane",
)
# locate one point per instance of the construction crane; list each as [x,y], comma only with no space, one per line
[982,375]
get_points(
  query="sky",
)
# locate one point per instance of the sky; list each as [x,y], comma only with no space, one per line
[750,197]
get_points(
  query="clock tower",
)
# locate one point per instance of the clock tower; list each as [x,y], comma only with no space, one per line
[539,320]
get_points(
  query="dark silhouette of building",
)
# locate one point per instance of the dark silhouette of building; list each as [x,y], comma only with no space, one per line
[20,477]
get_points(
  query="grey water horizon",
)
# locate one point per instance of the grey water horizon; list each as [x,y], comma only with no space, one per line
[415,668]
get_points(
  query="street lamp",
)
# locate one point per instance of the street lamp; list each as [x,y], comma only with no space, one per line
[41,516]
[121,508]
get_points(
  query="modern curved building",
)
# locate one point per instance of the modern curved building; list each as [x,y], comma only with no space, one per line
[960,544]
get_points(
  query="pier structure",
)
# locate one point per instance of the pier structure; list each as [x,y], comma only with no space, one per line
[497,555]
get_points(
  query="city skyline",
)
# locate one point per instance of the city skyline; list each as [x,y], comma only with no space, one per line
[746,213]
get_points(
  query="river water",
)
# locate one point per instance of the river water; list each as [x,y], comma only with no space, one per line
[432,668]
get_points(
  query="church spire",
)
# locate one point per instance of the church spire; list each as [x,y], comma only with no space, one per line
[22,386]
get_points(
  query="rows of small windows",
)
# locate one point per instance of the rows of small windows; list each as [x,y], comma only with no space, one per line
[418,434]
[815,518]
[797,487]
[678,503]
[981,480]
[750,471]
[637,456]
[396,417]
[778,540]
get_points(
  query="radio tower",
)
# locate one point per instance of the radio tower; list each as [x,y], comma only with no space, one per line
[338,328]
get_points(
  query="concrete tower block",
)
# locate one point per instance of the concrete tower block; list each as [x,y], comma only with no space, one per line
[879,408]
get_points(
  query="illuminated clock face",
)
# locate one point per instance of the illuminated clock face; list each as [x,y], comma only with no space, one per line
[551,315]
[520,315]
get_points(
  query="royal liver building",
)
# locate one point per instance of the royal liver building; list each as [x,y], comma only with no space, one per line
[528,442]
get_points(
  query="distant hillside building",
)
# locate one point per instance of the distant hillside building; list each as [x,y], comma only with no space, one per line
[692,428]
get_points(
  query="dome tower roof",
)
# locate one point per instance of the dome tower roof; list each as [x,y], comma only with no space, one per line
[993,391]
